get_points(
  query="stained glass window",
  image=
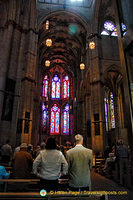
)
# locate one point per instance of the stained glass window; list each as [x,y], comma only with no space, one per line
[66,120]
[66,87]
[109,26]
[109,29]
[57,117]
[45,86]
[114,33]
[124,29]
[104,32]
[44,116]
[112,111]
[55,94]
[106,112]
[55,120]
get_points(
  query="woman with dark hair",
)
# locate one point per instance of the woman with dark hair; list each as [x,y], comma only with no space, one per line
[51,144]
[51,161]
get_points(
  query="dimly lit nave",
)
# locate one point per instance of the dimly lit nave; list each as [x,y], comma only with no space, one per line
[66,67]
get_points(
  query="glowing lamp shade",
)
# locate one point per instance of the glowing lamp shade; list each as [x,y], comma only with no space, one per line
[47,25]
[92,45]
[47,63]
[48,42]
[82,66]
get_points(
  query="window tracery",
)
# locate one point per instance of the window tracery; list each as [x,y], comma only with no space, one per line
[109,111]
[56,109]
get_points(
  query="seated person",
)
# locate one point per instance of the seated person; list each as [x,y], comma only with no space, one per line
[22,163]
[3,174]
[109,160]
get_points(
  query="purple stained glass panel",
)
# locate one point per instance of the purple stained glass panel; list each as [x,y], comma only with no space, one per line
[55,87]
[44,116]
[109,26]
[66,120]
[106,113]
[112,111]
[45,86]
[66,87]
[55,118]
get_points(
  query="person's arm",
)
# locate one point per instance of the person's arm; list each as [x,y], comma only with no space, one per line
[10,150]
[36,163]
[64,164]
[5,173]
[91,161]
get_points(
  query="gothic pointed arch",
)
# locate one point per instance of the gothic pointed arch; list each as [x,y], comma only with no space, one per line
[57,101]
[113,97]
[55,120]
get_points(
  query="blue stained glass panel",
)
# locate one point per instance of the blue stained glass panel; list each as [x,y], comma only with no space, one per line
[44,116]
[66,120]
[55,87]
[45,86]
[109,26]
[66,87]
[106,113]
[112,111]
[55,119]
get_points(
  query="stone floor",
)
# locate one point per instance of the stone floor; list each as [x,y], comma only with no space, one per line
[101,183]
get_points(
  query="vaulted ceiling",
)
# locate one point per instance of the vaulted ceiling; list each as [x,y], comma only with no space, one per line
[68,36]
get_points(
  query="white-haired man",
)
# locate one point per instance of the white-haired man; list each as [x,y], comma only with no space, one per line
[80,162]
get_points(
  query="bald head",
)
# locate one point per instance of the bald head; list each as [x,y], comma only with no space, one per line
[78,139]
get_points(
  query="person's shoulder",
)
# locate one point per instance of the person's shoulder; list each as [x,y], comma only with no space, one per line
[2,167]
[59,152]
[73,149]
[88,150]
[3,146]
[42,152]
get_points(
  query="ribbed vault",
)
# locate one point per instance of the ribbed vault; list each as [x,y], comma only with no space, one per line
[68,35]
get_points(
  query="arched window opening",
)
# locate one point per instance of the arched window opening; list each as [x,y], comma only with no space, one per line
[106,113]
[55,94]
[44,117]
[109,112]
[66,87]
[45,86]
[66,120]
[57,90]
[55,120]
[112,110]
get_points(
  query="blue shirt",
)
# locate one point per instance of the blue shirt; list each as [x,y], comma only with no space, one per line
[3,173]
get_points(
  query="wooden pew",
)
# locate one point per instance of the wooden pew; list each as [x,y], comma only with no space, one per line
[99,163]
[63,183]
[50,196]
[8,181]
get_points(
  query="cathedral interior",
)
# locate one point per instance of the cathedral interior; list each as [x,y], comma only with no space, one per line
[66,67]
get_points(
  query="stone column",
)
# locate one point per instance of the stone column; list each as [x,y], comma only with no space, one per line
[4,61]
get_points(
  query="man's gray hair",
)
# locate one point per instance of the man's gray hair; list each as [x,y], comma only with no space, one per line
[78,138]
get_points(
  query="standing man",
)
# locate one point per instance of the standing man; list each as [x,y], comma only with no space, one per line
[6,150]
[80,163]
[122,156]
